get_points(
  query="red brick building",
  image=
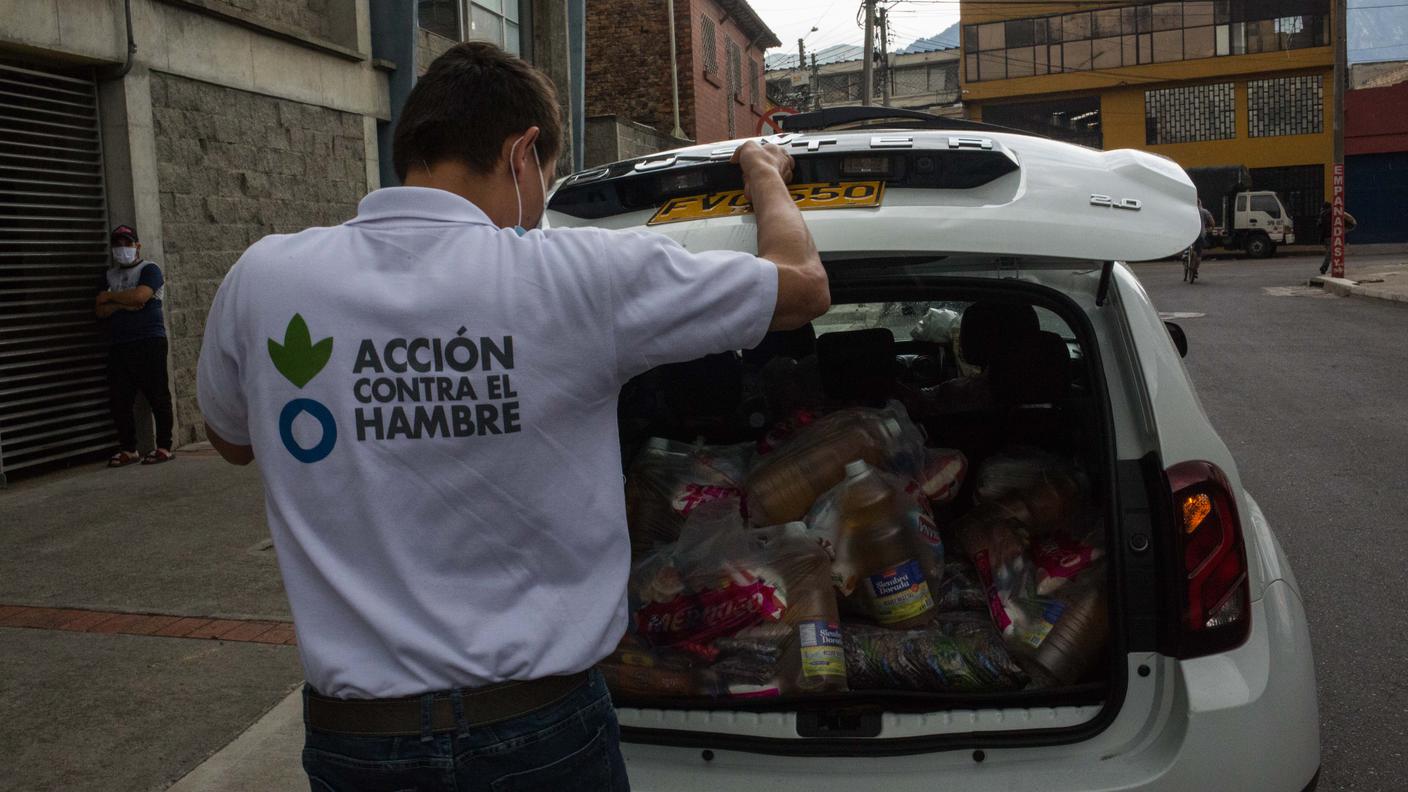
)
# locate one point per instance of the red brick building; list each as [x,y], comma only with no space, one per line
[719,53]
[1376,162]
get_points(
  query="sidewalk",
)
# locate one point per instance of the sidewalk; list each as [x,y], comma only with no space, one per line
[1380,277]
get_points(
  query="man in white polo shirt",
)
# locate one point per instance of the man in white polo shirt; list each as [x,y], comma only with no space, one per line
[431,392]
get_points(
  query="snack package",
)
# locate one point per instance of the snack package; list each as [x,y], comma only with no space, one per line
[1052,488]
[952,655]
[751,609]
[959,590]
[943,473]
[667,480]
[786,482]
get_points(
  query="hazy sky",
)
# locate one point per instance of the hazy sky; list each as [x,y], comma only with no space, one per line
[835,21]
[1378,29]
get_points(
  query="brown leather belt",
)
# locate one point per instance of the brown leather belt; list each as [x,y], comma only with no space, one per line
[402,717]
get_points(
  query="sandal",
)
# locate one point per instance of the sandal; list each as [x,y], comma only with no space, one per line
[123,459]
[157,457]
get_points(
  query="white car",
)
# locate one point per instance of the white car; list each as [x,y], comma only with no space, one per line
[1208,682]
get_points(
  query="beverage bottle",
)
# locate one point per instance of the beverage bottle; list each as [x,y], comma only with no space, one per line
[887,557]
[787,482]
[817,661]
[1077,637]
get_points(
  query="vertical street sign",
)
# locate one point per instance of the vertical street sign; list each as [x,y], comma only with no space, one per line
[1337,224]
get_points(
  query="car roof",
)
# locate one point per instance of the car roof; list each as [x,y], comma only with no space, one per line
[1035,196]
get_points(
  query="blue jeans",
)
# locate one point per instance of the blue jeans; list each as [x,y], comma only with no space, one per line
[571,744]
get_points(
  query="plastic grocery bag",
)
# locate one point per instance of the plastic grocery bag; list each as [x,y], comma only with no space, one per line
[785,483]
[999,545]
[1052,488]
[954,654]
[943,473]
[753,606]
[667,480]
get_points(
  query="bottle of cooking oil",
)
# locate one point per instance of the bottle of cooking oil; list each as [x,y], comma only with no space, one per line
[884,553]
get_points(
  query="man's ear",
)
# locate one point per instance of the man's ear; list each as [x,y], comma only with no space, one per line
[517,149]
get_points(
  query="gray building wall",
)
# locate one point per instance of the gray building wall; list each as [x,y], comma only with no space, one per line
[233,166]
[613,138]
[238,118]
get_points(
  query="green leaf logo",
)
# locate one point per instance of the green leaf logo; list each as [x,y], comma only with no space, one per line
[298,358]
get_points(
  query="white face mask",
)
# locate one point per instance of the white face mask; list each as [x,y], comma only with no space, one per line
[126,256]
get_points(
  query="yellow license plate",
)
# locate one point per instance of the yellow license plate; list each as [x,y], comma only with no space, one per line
[834,195]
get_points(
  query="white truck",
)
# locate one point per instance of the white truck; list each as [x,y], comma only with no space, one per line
[1254,221]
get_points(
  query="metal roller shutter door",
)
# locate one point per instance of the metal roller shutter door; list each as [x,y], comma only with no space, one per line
[53,250]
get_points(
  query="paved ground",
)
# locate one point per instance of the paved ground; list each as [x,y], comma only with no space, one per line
[1309,390]
[94,710]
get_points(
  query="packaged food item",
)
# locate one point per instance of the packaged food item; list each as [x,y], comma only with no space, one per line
[1073,610]
[635,669]
[785,484]
[880,555]
[943,473]
[754,607]
[1060,558]
[1052,488]
[951,655]
[959,590]
[667,480]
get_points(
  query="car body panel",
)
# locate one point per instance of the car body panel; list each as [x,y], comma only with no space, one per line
[1064,201]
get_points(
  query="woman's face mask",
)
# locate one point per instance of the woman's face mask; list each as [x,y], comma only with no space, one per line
[126,256]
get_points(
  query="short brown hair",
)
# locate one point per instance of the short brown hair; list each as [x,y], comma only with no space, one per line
[467,102]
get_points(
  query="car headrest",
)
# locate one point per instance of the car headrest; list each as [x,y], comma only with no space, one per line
[989,325]
[795,344]
[1037,371]
[857,365]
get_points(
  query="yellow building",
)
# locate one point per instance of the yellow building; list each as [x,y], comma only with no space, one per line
[1212,82]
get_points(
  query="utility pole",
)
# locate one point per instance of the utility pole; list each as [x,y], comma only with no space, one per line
[884,60]
[1337,194]
[867,70]
[801,54]
[815,84]
[678,131]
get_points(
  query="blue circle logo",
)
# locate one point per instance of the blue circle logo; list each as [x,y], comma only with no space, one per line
[319,411]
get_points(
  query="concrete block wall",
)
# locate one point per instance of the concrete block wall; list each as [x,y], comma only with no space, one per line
[233,166]
[613,138]
[309,17]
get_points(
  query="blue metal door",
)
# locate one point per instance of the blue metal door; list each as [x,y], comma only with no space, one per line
[1377,196]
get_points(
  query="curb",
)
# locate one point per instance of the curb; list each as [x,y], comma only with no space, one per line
[1345,287]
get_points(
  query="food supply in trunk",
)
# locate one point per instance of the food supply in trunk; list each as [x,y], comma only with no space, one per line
[998,544]
[667,480]
[869,521]
[785,484]
[753,607]
[1050,487]
[951,655]
[943,473]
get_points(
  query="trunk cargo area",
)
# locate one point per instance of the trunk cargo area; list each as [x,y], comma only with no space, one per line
[902,507]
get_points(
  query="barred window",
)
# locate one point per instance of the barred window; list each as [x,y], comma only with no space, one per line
[1286,106]
[1189,114]
[735,71]
[706,38]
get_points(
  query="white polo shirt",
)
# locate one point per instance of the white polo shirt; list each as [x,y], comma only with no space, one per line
[432,403]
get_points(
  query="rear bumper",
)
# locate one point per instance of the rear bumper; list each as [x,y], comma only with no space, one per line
[1245,720]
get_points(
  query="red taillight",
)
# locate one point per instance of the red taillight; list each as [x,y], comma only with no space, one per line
[1214,589]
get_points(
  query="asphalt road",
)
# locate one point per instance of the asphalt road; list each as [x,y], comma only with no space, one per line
[1310,391]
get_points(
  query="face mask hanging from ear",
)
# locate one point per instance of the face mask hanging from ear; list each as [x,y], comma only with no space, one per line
[518,227]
